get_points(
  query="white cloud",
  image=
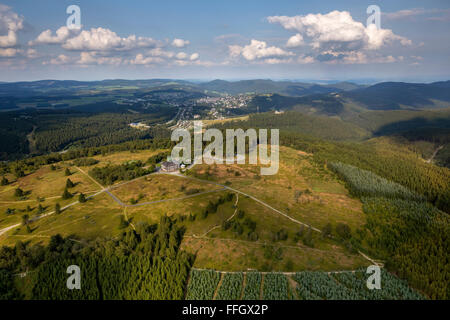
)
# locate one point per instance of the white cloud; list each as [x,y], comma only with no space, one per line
[194,56]
[234,51]
[101,39]
[305,59]
[10,24]
[31,53]
[140,59]
[8,52]
[158,56]
[276,61]
[92,58]
[295,41]
[338,31]
[181,56]
[159,52]
[180,43]
[59,60]
[46,37]
[380,37]
[257,50]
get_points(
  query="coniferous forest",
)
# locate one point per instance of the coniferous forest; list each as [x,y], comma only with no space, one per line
[142,264]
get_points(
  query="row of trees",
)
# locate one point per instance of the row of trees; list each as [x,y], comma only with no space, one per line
[19,167]
[110,174]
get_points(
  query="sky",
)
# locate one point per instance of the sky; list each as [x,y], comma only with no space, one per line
[325,40]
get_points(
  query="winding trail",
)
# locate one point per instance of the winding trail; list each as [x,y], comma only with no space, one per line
[434,154]
[218,226]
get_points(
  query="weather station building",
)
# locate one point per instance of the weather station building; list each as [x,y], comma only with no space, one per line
[169,166]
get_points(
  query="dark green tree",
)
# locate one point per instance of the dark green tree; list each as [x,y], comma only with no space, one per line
[343,231]
[66,194]
[18,192]
[57,208]
[69,184]
[25,219]
[326,231]
[4,181]
[81,198]
[67,172]
[40,209]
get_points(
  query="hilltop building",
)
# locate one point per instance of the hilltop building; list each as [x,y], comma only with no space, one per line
[169,166]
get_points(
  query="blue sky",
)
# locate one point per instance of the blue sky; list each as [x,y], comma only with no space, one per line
[303,40]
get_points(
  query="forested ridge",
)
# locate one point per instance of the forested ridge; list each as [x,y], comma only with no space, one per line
[402,228]
[28,165]
[145,263]
[388,160]
[55,130]
[382,156]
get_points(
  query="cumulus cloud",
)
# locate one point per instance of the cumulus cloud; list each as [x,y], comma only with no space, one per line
[10,24]
[180,43]
[140,59]
[181,55]
[8,52]
[194,56]
[101,39]
[46,37]
[336,36]
[159,56]
[302,59]
[160,52]
[295,41]
[93,58]
[338,30]
[59,60]
[257,50]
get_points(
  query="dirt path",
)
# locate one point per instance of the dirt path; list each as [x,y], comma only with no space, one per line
[218,286]
[32,141]
[434,154]
[218,226]
[4,230]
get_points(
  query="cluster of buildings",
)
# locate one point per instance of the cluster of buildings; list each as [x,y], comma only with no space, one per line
[231,102]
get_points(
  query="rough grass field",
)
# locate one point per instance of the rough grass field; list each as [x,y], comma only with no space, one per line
[160,187]
[301,190]
[46,183]
[98,217]
[124,156]
[43,187]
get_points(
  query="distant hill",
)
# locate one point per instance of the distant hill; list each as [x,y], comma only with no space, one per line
[269,86]
[398,95]
[289,88]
